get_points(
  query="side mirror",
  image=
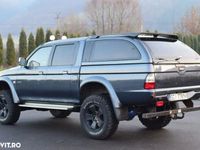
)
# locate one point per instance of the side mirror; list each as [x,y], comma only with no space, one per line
[22,61]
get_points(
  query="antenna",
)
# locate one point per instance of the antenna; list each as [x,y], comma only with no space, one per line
[57,19]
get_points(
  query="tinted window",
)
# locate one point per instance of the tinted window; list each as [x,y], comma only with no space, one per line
[113,50]
[87,51]
[41,56]
[64,55]
[170,50]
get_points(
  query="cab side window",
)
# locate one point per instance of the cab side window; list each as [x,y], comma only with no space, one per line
[65,55]
[40,57]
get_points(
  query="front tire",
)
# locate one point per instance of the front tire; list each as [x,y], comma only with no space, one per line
[60,113]
[97,117]
[9,112]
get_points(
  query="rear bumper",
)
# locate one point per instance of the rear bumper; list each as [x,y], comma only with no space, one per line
[190,92]
[164,91]
[149,97]
[173,112]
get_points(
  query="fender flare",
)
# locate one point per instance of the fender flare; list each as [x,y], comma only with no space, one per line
[12,88]
[121,112]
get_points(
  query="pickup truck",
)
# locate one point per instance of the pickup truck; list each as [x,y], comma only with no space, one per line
[107,79]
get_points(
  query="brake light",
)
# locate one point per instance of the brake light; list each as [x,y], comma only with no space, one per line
[149,86]
[150,82]
[160,103]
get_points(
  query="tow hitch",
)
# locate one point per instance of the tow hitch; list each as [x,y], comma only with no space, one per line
[175,113]
[180,115]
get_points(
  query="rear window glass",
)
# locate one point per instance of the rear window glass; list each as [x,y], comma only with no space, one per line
[170,50]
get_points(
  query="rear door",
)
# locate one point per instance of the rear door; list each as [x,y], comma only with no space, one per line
[175,64]
[63,75]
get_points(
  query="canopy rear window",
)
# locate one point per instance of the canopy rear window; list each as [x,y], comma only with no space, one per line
[170,50]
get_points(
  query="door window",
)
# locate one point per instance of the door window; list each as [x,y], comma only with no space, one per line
[65,55]
[40,57]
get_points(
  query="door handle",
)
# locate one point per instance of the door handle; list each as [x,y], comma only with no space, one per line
[41,72]
[65,72]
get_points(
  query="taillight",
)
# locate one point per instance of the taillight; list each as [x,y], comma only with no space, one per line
[150,82]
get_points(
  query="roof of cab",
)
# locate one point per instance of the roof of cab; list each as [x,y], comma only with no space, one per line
[130,35]
[64,41]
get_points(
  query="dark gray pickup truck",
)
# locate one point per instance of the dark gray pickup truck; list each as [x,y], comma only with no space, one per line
[107,79]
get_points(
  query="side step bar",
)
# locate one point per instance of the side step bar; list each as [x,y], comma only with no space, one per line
[47,106]
[169,112]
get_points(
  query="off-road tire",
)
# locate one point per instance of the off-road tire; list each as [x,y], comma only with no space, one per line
[100,115]
[9,111]
[60,113]
[155,123]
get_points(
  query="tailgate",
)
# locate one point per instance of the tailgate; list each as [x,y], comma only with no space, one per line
[177,75]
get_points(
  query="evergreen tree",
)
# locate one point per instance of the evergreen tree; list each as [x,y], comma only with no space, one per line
[1,51]
[191,41]
[48,34]
[10,55]
[39,37]
[188,40]
[23,51]
[31,43]
[199,43]
[87,34]
[93,32]
[57,35]
[147,31]
[65,34]
[180,36]
[195,43]
[184,39]
[78,35]
[71,35]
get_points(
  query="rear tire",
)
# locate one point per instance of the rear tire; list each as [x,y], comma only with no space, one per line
[60,113]
[9,112]
[158,122]
[155,123]
[97,117]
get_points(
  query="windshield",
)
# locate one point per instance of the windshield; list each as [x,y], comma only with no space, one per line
[168,50]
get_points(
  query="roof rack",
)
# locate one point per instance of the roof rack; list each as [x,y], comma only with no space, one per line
[141,35]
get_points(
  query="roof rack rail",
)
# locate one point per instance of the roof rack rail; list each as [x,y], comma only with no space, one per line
[141,35]
[157,35]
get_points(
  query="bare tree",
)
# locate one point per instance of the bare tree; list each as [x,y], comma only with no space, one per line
[114,16]
[190,23]
[73,24]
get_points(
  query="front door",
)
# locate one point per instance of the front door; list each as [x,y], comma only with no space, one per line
[31,82]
